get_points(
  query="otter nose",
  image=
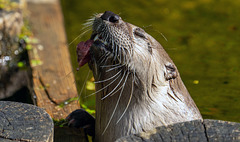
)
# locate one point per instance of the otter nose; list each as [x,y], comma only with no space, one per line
[110,16]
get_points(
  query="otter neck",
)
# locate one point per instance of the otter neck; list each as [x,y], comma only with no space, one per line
[132,106]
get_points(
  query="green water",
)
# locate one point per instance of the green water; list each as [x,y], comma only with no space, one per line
[203,39]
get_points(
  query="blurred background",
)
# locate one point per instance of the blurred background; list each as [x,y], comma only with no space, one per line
[202,37]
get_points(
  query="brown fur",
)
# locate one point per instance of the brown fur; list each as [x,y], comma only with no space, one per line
[152,92]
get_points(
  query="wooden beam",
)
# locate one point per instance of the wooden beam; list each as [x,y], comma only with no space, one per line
[53,80]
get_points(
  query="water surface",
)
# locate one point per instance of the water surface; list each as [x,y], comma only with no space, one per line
[202,37]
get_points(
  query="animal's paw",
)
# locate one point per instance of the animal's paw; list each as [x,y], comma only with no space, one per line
[82,119]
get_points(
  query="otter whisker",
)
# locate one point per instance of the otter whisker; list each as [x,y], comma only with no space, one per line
[104,86]
[128,51]
[105,57]
[83,85]
[114,88]
[108,78]
[121,50]
[131,51]
[114,49]
[115,67]
[79,36]
[62,78]
[88,23]
[92,18]
[129,98]
[124,57]
[120,55]
[106,37]
[129,58]
[116,105]
[109,65]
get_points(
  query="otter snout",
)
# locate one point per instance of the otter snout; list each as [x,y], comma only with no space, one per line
[110,16]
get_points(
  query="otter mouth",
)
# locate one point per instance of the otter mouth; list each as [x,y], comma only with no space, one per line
[102,45]
[83,48]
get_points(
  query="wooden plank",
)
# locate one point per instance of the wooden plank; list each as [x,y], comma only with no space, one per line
[53,81]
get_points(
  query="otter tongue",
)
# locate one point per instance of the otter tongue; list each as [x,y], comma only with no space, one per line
[83,55]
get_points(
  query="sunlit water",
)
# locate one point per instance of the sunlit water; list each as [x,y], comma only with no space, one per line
[202,37]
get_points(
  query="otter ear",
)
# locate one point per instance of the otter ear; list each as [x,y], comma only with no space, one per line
[170,72]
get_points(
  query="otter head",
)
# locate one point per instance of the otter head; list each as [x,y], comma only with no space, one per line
[126,46]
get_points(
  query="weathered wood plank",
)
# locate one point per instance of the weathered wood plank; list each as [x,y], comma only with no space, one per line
[24,122]
[53,80]
[192,131]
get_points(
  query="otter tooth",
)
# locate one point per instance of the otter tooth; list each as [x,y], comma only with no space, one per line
[95,38]
[105,42]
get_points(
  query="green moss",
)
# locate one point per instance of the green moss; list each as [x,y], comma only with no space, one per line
[60,122]
[90,111]
[8,5]
[61,105]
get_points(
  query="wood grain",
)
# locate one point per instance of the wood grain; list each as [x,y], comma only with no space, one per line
[53,81]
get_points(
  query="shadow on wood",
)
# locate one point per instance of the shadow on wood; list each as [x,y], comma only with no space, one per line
[66,134]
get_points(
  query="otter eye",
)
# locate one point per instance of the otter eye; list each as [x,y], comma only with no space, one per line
[139,32]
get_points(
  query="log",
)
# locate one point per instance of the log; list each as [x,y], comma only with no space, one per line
[23,123]
[192,131]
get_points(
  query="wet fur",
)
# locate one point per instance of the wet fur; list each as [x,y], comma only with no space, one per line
[143,90]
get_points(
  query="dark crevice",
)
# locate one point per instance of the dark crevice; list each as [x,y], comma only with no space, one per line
[205,131]
[160,136]
[46,91]
[139,137]
[6,119]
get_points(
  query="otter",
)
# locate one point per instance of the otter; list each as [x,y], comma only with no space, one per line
[138,87]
